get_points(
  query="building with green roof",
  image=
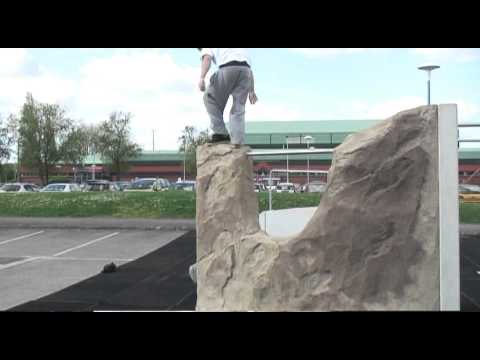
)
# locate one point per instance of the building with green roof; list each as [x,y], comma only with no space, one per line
[268,135]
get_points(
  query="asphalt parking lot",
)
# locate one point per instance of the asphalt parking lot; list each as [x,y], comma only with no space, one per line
[37,262]
[58,268]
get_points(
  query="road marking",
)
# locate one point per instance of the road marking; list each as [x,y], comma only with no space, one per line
[20,262]
[86,244]
[22,237]
[78,259]
[471,300]
[470,261]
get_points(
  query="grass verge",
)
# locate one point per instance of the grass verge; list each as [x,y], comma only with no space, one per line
[169,204]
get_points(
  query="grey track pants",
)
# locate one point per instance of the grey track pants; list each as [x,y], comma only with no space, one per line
[230,80]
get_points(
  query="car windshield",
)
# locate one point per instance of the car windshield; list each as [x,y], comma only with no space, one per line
[98,187]
[10,188]
[55,187]
[186,186]
[144,184]
[469,190]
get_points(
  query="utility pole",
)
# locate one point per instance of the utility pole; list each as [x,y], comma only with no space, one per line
[153,139]
[19,179]
[308,138]
[184,156]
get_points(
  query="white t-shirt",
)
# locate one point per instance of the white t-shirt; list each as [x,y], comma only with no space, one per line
[222,56]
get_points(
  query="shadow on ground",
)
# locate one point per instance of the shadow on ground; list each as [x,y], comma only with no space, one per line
[470,272]
[160,281]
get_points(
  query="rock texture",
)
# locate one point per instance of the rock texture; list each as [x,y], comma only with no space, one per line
[372,244]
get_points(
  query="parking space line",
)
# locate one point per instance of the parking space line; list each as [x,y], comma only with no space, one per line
[22,237]
[20,262]
[470,261]
[86,244]
[471,300]
[79,259]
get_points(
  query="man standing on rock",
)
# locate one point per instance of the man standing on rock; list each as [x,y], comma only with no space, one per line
[233,77]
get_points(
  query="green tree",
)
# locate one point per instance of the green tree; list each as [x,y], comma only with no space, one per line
[13,126]
[189,141]
[43,128]
[113,142]
[6,141]
[7,172]
[79,143]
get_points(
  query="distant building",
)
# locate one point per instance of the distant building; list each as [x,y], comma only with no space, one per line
[259,135]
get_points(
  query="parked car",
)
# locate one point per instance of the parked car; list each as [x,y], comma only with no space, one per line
[101,185]
[286,187]
[260,187]
[316,187]
[61,188]
[298,187]
[165,183]
[19,187]
[184,185]
[122,185]
[468,195]
[471,187]
[150,184]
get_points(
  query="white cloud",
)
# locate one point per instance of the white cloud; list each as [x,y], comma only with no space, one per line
[361,109]
[444,55]
[12,60]
[19,74]
[391,107]
[326,52]
[467,111]
[161,94]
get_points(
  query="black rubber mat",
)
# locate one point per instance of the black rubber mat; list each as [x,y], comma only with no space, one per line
[156,281]
[160,281]
[470,273]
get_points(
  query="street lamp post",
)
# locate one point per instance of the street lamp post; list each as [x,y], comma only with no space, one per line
[428,69]
[184,157]
[287,159]
[308,138]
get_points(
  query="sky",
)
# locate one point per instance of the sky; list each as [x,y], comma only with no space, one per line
[159,86]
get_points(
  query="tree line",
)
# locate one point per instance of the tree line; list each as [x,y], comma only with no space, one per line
[190,139]
[43,136]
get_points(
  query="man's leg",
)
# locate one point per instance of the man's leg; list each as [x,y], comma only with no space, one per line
[215,99]
[237,113]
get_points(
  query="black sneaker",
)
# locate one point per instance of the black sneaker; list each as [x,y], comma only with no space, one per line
[219,138]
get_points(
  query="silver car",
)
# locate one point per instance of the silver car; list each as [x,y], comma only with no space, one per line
[286,187]
[316,187]
[61,188]
[19,188]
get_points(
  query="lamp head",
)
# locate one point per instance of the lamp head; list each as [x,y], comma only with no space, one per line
[428,67]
